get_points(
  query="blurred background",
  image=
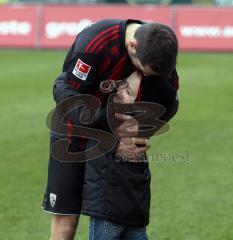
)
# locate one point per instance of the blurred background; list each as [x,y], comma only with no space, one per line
[210,2]
[191,164]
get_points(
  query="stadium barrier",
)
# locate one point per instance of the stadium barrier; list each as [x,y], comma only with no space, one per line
[32,26]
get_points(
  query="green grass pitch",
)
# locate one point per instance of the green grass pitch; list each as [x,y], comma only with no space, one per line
[192,197]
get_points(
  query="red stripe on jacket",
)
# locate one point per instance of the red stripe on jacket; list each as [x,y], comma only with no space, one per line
[107,42]
[103,39]
[69,129]
[117,71]
[90,44]
[139,95]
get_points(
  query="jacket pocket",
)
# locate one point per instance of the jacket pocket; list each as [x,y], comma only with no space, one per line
[128,191]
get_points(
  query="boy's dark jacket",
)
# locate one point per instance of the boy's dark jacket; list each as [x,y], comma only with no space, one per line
[117,190]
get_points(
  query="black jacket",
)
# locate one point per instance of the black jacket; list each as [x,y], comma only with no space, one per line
[117,190]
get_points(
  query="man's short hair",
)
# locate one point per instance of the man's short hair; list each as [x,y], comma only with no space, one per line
[157,47]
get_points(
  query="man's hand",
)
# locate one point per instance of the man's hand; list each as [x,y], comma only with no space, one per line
[132,149]
[129,128]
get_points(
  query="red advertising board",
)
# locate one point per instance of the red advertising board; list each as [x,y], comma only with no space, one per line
[18,26]
[61,24]
[205,28]
[197,28]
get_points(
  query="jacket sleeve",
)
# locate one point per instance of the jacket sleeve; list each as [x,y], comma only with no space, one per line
[79,77]
[172,104]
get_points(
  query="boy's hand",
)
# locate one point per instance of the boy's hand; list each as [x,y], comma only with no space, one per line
[132,149]
[129,128]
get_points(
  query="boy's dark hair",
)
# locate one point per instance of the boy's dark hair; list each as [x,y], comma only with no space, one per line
[157,47]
